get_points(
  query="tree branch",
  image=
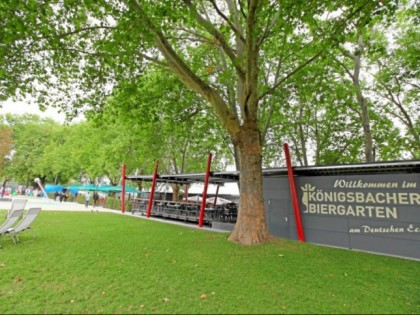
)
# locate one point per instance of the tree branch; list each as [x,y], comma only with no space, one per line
[347,70]
[186,75]
[217,35]
[269,27]
[300,67]
[234,29]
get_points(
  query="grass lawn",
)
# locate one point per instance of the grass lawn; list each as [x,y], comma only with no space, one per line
[85,263]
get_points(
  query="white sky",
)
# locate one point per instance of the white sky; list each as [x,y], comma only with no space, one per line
[228,188]
[21,108]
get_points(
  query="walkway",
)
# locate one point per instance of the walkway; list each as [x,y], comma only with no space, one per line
[52,205]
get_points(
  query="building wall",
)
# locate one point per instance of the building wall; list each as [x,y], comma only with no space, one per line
[371,212]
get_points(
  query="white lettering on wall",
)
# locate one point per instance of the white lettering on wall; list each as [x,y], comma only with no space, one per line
[351,198]
[367,229]
[342,183]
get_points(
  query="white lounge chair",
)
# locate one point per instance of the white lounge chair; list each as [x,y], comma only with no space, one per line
[10,221]
[17,204]
[24,224]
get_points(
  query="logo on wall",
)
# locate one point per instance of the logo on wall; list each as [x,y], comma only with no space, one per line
[305,198]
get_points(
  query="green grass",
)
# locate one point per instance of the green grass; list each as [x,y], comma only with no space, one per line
[84,263]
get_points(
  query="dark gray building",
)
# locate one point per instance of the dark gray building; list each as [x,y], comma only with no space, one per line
[370,207]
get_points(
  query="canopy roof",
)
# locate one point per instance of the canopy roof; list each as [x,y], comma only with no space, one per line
[217,178]
[219,201]
[220,178]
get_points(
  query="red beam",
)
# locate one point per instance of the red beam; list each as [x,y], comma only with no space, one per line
[206,184]
[123,189]
[298,219]
[152,191]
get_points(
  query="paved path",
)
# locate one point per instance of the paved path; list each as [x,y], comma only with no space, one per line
[49,204]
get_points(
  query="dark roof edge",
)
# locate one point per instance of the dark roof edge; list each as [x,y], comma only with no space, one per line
[407,166]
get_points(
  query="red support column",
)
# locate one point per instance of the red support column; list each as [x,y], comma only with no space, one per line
[152,191]
[206,184]
[295,201]
[123,189]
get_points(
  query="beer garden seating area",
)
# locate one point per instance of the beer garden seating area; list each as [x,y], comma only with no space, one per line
[187,211]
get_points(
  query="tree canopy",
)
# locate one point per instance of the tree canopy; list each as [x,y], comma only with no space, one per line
[249,64]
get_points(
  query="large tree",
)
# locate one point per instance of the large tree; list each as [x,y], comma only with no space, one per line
[234,54]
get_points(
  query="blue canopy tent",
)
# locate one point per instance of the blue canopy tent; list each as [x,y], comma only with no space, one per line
[104,188]
[89,187]
[53,188]
[74,189]
[118,188]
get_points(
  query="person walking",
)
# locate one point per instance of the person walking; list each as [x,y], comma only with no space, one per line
[95,199]
[87,199]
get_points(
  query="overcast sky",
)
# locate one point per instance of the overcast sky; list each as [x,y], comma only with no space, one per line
[24,108]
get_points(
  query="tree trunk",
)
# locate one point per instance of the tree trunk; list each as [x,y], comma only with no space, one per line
[368,140]
[361,100]
[175,192]
[4,187]
[302,136]
[250,227]
[140,185]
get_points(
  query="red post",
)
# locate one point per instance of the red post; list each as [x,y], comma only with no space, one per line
[152,191]
[206,184]
[123,189]
[298,219]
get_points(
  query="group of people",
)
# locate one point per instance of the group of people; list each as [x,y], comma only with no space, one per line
[8,191]
[95,199]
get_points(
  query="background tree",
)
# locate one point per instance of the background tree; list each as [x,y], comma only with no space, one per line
[396,80]
[322,117]
[31,135]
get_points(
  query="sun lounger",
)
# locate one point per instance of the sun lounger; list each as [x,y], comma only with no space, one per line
[24,224]
[17,204]
[10,222]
